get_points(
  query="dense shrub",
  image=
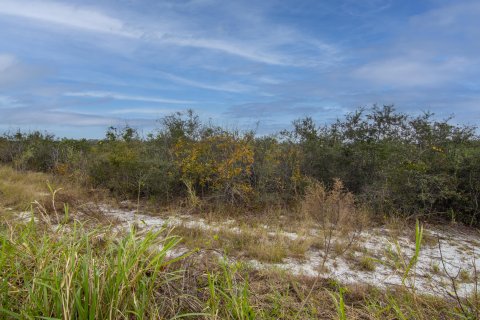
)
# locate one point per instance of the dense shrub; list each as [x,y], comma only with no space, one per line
[393,162]
[218,163]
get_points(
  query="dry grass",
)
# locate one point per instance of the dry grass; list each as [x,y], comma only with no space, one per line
[198,284]
[280,295]
[465,276]
[429,239]
[397,225]
[22,190]
[249,243]
[367,263]
[19,189]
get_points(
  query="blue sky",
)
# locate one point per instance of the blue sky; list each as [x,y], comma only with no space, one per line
[76,67]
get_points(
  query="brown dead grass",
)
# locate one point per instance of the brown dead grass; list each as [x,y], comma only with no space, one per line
[248,243]
[20,190]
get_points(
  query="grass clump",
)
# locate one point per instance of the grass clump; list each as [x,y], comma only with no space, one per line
[229,294]
[73,273]
[435,268]
[465,276]
[367,264]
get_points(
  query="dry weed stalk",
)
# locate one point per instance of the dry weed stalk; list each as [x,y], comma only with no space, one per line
[468,307]
[336,213]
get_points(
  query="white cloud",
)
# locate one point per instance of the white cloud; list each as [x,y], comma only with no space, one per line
[31,115]
[13,72]
[8,102]
[227,87]
[66,15]
[142,111]
[89,19]
[434,49]
[174,31]
[409,72]
[231,47]
[119,96]
[453,15]
[6,62]
[365,8]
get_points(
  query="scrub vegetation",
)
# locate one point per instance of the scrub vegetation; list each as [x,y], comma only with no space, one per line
[268,199]
[392,162]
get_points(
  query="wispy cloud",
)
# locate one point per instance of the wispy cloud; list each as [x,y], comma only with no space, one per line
[452,15]
[227,87]
[142,111]
[365,8]
[119,96]
[46,117]
[12,71]
[411,71]
[24,116]
[279,108]
[231,47]
[73,16]
[8,102]
[435,50]
[91,19]
[97,63]
[6,61]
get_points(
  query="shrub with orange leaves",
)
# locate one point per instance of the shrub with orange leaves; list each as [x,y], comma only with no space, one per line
[219,164]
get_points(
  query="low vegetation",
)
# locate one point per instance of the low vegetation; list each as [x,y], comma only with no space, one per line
[70,271]
[77,274]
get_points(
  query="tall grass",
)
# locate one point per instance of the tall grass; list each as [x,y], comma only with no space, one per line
[340,304]
[229,298]
[73,273]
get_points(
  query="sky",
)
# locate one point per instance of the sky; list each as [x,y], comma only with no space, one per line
[74,68]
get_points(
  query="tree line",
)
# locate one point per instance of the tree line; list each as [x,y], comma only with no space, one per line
[393,162]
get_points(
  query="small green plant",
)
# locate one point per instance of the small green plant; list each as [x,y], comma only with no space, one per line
[339,303]
[367,263]
[401,262]
[228,296]
[418,244]
[465,276]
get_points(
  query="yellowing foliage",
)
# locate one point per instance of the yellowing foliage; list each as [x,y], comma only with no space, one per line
[220,163]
